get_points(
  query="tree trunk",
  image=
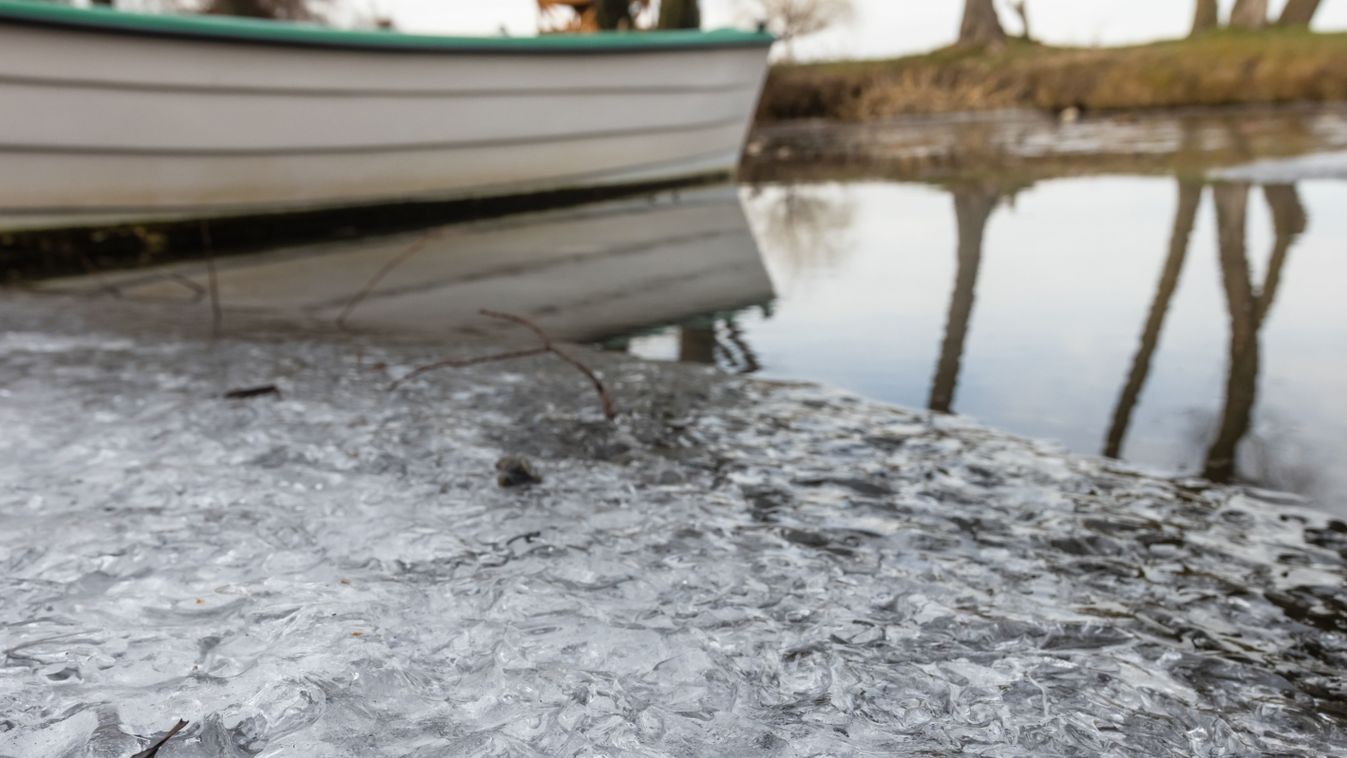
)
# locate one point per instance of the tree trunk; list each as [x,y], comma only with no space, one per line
[1298,13]
[1249,14]
[981,26]
[613,14]
[1207,17]
[284,10]
[679,14]
[1021,9]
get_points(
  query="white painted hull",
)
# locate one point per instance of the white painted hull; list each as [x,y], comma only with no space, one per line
[116,125]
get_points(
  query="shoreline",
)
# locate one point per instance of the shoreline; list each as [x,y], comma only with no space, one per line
[1027,145]
[735,563]
[1222,68]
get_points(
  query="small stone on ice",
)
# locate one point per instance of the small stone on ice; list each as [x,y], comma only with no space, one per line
[516,471]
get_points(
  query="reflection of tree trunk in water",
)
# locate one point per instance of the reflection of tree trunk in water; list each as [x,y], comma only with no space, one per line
[697,344]
[1190,196]
[1288,221]
[1232,202]
[1231,208]
[1247,311]
[972,207]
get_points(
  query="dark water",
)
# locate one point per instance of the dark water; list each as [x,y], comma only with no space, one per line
[1187,325]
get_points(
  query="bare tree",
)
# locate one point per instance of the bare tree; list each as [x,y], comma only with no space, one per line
[613,14]
[1298,13]
[791,19]
[679,14]
[1021,9]
[981,26]
[1249,14]
[283,10]
[1206,16]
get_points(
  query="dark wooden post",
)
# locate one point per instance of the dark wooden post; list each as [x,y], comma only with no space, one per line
[697,343]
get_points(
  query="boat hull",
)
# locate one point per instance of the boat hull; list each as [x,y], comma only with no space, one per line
[131,125]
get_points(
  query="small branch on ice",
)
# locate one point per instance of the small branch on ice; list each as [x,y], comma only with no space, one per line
[547,347]
[251,392]
[153,750]
[463,363]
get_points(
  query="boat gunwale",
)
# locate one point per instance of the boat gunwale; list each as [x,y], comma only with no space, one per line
[57,82]
[219,29]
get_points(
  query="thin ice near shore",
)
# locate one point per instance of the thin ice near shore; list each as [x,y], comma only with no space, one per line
[732,568]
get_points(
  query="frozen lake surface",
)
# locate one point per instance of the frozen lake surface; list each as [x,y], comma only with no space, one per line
[734,567]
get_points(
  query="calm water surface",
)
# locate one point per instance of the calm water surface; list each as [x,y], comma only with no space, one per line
[1112,314]
[1189,327]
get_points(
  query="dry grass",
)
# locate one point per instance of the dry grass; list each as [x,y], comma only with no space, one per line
[1223,68]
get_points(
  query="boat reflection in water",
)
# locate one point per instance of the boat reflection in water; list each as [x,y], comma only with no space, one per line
[583,274]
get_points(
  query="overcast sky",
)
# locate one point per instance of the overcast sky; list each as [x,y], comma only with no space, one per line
[881,27]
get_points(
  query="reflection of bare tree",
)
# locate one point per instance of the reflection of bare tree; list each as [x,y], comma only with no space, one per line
[738,353]
[1190,196]
[802,227]
[973,206]
[1231,210]
[1288,222]
[1248,310]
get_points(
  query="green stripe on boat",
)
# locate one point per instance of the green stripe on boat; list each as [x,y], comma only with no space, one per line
[231,29]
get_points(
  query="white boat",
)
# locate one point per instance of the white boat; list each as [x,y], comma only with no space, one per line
[116,116]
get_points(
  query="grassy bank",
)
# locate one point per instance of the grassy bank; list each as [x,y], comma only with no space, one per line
[1222,68]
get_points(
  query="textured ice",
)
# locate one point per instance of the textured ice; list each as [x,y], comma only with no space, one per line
[735,568]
